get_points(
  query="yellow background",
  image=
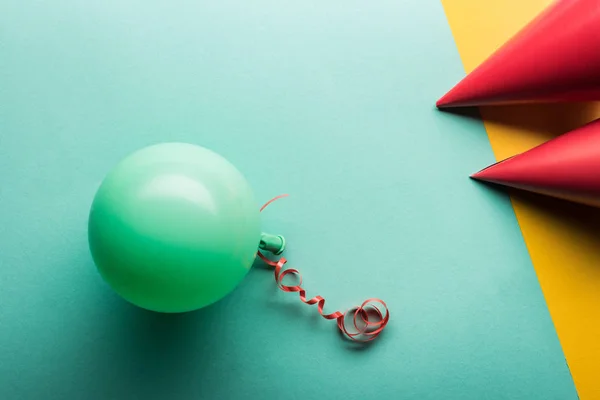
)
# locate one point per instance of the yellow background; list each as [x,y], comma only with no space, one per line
[563,238]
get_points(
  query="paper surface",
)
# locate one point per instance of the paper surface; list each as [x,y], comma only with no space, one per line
[331,102]
[562,238]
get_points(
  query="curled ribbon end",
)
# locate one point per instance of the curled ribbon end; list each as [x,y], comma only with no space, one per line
[367,321]
[360,324]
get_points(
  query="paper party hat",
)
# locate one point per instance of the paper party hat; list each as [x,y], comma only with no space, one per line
[566,167]
[556,57]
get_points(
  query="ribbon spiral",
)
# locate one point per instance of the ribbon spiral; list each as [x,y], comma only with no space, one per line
[368,320]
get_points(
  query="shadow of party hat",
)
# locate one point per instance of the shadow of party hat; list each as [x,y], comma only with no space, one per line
[556,57]
[567,167]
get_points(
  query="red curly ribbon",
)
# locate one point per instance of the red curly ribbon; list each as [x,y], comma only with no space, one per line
[368,320]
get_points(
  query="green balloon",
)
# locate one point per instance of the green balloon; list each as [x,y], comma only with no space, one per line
[174,227]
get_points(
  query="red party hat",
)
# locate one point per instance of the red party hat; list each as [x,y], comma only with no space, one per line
[556,57]
[566,167]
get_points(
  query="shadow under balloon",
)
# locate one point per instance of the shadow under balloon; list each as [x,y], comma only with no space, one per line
[157,354]
[158,339]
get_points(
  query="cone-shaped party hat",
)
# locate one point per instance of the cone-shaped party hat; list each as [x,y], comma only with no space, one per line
[566,167]
[556,57]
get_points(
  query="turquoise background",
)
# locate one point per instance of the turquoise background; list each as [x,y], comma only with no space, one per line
[330,101]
